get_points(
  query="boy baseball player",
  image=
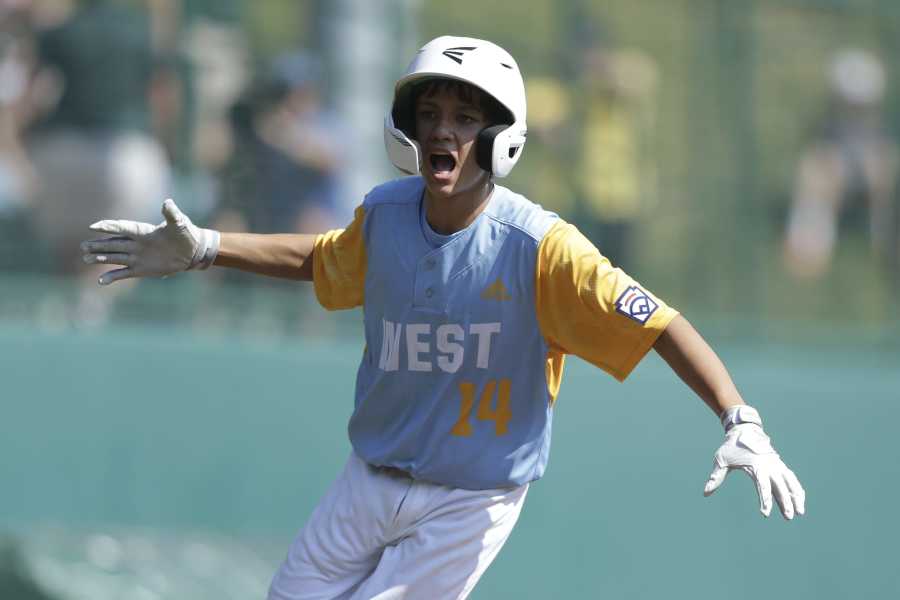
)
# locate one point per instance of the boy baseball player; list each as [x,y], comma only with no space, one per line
[472,297]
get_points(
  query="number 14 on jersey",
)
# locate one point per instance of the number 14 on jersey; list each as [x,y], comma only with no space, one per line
[499,414]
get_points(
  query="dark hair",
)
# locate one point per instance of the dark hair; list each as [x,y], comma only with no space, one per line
[494,112]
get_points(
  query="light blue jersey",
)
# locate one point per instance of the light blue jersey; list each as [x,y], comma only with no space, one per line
[452,385]
[466,334]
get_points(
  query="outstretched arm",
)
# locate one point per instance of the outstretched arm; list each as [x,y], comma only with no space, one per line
[746,446]
[176,244]
[284,255]
[697,365]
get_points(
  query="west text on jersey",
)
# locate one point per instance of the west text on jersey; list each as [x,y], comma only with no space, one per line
[443,348]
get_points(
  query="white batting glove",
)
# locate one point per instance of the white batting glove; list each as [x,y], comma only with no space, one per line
[748,448]
[148,250]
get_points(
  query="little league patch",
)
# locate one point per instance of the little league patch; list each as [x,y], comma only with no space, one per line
[636,304]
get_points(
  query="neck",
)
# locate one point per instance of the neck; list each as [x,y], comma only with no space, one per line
[449,214]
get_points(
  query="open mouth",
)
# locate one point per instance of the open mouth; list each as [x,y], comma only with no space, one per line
[442,162]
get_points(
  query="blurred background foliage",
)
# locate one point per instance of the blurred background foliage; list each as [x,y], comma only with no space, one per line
[670,132]
[739,89]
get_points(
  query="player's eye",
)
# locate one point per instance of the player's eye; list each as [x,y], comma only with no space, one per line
[427,115]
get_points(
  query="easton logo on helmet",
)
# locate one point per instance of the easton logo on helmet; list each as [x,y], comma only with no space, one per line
[456,54]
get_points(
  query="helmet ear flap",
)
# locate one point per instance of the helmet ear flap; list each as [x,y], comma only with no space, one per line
[402,115]
[484,146]
[403,151]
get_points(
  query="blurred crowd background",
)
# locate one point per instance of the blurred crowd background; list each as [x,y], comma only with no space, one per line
[739,158]
[164,439]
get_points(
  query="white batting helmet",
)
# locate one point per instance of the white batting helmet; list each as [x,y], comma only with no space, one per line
[482,64]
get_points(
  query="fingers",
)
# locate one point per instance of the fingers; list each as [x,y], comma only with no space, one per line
[107,245]
[761,478]
[171,212]
[121,227]
[796,490]
[783,496]
[116,275]
[114,250]
[715,480]
[112,259]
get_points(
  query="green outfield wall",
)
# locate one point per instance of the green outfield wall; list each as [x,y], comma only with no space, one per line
[169,432]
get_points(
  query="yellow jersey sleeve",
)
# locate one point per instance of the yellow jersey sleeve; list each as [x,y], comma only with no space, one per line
[339,265]
[588,308]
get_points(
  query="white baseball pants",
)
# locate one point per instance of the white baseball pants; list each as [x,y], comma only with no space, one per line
[381,535]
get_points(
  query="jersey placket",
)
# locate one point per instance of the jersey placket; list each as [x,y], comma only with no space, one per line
[428,293]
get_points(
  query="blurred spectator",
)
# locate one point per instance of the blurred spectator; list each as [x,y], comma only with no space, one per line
[218,54]
[16,175]
[616,171]
[283,176]
[90,141]
[845,182]
[16,172]
[92,148]
[548,169]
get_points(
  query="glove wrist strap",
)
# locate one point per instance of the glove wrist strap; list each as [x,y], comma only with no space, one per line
[208,251]
[736,415]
